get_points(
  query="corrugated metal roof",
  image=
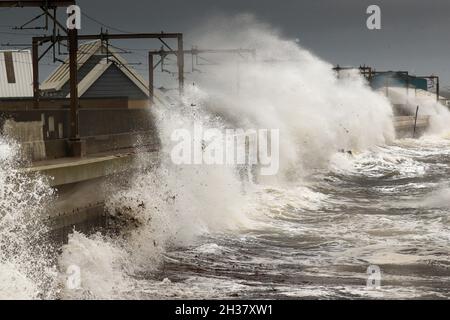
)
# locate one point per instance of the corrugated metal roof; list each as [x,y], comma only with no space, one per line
[22,81]
[62,74]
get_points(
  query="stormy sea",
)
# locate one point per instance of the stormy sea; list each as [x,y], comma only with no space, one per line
[350,197]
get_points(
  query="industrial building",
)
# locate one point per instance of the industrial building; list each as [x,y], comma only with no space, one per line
[398,79]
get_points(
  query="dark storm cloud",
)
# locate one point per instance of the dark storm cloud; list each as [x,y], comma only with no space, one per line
[414,37]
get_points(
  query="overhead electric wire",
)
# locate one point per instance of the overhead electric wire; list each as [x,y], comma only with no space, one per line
[20,34]
[105,25]
[110,27]
[125,50]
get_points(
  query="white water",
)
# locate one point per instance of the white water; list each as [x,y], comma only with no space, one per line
[25,269]
[292,90]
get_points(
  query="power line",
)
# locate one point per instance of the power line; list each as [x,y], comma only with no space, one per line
[110,27]
[20,34]
[104,25]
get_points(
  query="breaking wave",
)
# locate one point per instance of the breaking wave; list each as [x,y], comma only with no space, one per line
[172,206]
[26,268]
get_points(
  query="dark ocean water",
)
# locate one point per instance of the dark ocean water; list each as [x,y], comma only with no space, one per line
[387,207]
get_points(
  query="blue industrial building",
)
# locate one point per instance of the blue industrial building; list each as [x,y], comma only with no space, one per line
[398,79]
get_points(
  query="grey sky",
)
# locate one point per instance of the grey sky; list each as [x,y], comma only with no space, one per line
[415,34]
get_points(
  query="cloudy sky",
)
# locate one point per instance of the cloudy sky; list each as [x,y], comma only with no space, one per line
[414,37]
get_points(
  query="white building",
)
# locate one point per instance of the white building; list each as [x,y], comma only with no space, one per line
[16,74]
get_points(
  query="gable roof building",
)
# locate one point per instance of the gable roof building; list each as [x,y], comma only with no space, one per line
[16,74]
[102,73]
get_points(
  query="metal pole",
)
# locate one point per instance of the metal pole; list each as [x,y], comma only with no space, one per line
[73,65]
[180,58]
[415,122]
[438,89]
[35,58]
[407,90]
[150,78]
